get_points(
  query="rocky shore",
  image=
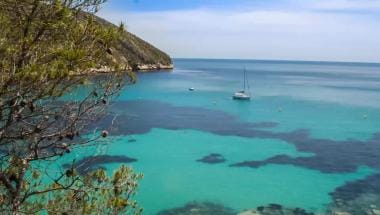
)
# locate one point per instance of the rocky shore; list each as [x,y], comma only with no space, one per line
[366,205]
[152,67]
[275,209]
[207,208]
[136,68]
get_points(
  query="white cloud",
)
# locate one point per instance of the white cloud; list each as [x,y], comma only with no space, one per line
[262,33]
[346,4]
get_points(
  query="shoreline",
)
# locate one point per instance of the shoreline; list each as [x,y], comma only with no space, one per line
[151,67]
[137,68]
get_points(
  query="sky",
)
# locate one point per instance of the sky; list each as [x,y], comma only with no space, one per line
[317,30]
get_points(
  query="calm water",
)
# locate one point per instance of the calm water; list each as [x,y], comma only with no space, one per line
[309,131]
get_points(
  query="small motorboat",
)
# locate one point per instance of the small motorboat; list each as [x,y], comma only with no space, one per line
[191,89]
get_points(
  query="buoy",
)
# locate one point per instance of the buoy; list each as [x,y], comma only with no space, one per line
[104,134]
[279,109]
[365,116]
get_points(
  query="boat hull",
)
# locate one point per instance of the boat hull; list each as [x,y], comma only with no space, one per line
[241,96]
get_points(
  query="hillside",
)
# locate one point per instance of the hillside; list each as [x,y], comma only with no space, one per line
[137,54]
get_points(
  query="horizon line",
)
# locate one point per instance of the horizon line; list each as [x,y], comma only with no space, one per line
[274,60]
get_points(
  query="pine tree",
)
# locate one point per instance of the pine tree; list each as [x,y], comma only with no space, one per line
[48,50]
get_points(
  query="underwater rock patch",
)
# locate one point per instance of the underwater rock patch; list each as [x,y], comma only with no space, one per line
[276,209]
[199,208]
[213,158]
[315,162]
[330,156]
[366,204]
[132,140]
[357,197]
[141,116]
[353,190]
[92,163]
[264,125]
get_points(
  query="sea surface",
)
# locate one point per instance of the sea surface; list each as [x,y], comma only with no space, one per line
[308,138]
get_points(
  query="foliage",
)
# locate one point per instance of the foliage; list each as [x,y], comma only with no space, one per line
[94,193]
[48,48]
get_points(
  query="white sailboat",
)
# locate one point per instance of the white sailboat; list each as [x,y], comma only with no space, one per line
[243,94]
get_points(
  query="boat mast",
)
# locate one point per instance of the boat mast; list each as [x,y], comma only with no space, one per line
[244,78]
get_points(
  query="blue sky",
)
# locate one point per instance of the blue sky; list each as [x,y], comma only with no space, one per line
[329,30]
[165,5]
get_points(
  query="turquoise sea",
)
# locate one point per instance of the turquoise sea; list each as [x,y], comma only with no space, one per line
[307,139]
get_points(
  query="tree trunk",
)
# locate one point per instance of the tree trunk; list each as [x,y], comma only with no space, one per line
[16,207]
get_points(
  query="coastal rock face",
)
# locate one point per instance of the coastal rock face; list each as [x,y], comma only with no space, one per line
[136,54]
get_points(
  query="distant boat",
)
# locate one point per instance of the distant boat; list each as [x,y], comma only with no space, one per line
[191,89]
[243,94]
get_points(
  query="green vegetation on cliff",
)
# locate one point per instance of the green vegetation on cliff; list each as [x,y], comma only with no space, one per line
[136,53]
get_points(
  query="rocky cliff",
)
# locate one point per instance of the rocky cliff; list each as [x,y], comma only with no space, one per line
[136,54]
